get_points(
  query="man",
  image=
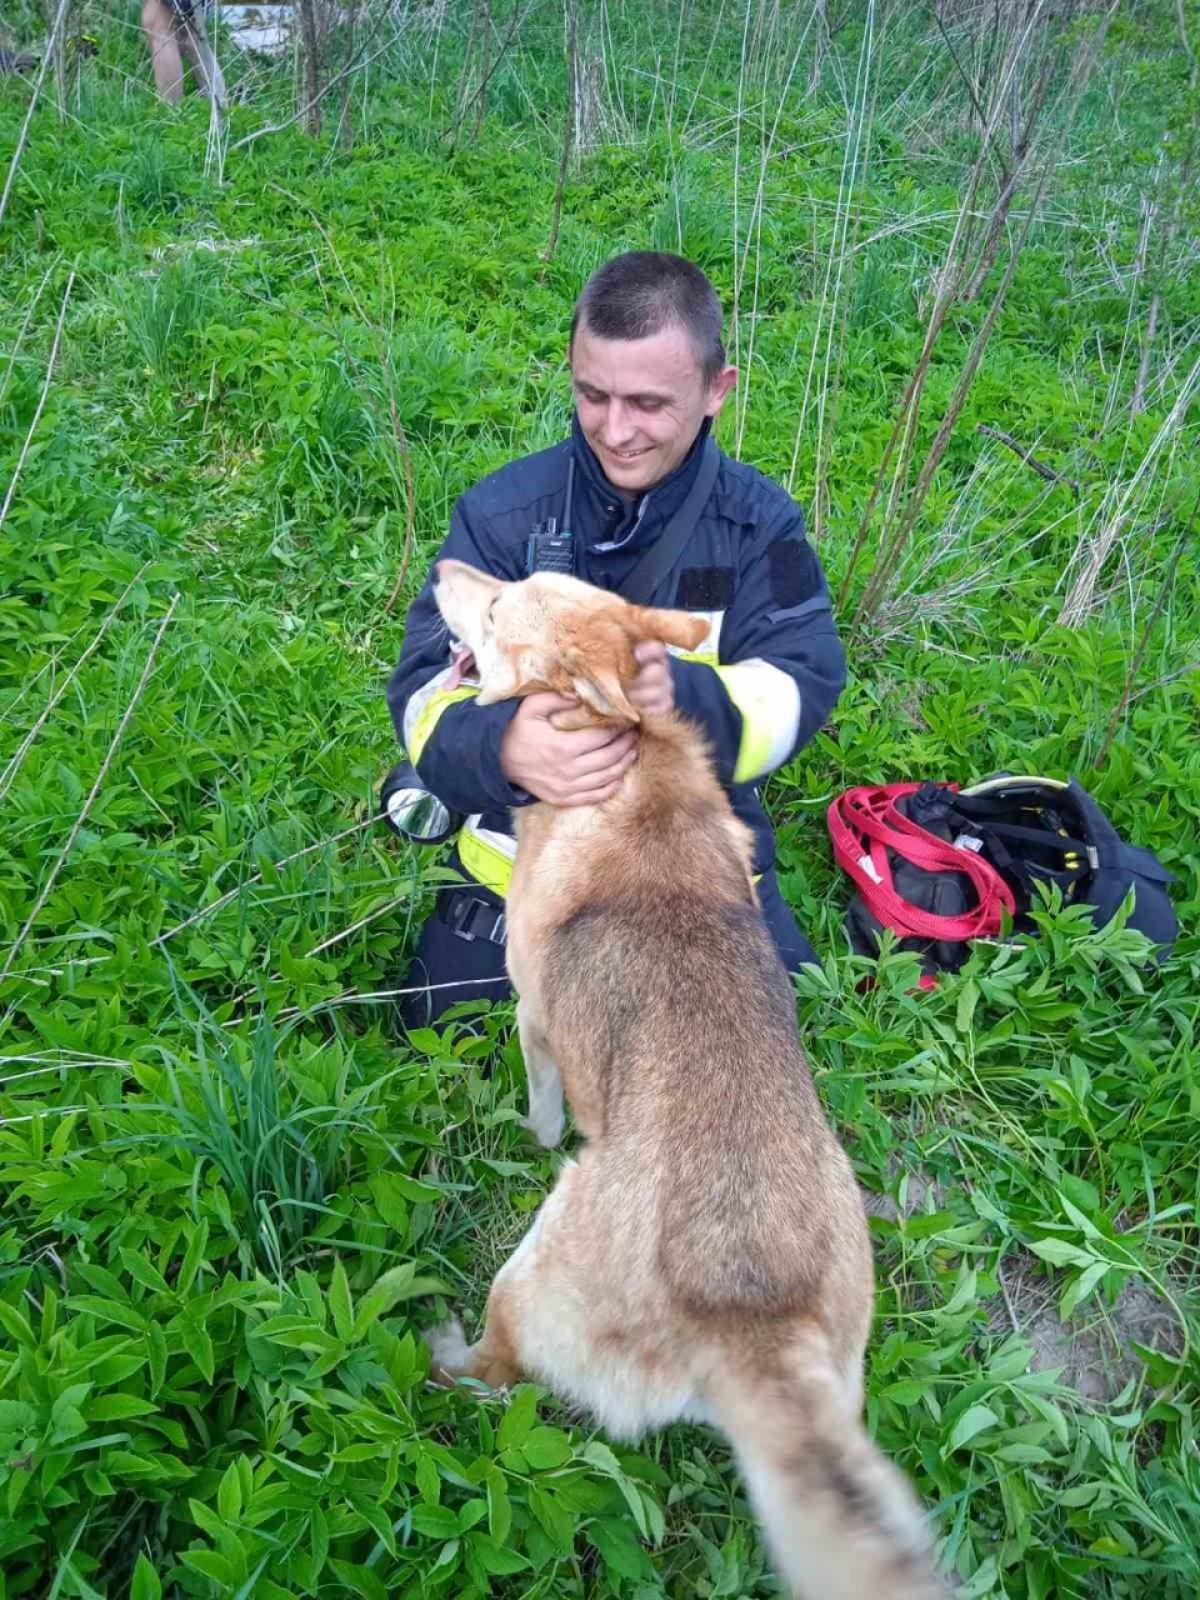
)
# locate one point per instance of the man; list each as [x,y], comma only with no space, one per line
[174,29]
[649,375]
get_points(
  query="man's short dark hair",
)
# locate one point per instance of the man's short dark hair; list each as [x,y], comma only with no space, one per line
[642,292]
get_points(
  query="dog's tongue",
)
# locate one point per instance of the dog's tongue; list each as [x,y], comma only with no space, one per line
[462,663]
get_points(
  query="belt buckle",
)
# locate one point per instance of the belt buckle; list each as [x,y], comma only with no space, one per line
[463,915]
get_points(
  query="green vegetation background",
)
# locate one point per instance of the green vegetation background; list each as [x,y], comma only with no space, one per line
[231,1193]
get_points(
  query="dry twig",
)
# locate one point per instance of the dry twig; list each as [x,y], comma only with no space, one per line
[59,18]
[1027,456]
[8,776]
[41,405]
[77,827]
[1135,665]
[568,137]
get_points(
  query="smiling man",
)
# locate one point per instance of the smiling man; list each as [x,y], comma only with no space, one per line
[649,375]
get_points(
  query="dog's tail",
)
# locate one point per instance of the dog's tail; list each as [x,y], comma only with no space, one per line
[840,1521]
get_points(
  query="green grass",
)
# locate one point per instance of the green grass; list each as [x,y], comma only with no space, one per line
[231,1192]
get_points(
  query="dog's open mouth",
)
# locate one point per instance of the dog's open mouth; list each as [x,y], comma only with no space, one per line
[462,665]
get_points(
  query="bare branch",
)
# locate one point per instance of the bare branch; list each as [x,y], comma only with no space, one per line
[1030,460]
[354,65]
[568,136]
[8,776]
[41,405]
[232,894]
[77,827]
[59,18]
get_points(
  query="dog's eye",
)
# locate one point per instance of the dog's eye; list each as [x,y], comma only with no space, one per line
[491,609]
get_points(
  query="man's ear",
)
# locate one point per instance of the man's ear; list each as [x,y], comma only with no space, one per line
[671,627]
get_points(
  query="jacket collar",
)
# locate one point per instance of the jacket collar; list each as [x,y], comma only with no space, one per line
[608,522]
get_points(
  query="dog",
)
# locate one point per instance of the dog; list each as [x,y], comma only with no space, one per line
[706,1258]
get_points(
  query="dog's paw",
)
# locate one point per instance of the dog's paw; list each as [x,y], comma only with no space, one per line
[449,1351]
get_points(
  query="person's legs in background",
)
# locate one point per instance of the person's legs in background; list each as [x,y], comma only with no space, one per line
[158,25]
[193,41]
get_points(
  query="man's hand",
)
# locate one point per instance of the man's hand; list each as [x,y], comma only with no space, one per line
[653,690]
[580,768]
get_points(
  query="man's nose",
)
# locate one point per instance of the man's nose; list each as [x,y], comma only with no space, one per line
[618,424]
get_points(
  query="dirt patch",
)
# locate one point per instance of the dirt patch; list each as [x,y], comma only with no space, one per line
[1094,1351]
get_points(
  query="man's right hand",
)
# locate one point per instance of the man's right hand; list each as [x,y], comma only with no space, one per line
[566,769]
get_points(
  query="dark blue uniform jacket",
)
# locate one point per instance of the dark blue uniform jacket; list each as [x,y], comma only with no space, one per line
[761,685]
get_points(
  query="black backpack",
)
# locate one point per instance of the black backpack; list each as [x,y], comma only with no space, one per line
[937,864]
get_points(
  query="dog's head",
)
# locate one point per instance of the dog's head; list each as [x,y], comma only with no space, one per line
[553,632]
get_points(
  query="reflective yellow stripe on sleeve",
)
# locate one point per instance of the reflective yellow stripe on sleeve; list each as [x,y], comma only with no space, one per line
[487,855]
[769,702]
[426,705]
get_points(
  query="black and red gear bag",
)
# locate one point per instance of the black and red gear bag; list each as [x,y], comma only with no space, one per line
[940,865]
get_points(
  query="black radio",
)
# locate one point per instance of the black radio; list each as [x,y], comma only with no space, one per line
[551,548]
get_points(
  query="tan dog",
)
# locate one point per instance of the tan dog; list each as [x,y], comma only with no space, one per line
[707,1257]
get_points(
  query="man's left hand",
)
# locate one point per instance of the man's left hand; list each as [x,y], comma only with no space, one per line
[653,690]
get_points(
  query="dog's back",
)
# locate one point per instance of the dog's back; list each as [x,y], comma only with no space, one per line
[683,1017]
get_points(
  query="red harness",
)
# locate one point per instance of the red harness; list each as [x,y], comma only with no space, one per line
[865,824]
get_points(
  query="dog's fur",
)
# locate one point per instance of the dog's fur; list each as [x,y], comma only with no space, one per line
[706,1257]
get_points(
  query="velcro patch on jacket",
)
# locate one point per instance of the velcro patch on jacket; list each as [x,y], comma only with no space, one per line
[705,589]
[795,574]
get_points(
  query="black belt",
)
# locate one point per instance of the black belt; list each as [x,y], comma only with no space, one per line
[471,917]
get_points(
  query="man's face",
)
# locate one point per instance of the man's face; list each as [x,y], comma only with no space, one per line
[641,402]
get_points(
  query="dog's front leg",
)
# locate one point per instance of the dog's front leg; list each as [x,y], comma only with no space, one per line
[495,1358]
[545,1120]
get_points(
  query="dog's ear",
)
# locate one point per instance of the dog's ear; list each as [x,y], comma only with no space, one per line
[596,664]
[680,628]
[603,691]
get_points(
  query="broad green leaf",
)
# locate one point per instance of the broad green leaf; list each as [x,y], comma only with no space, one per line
[146,1584]
[1081,1288]
[499,1507]
[144,1272]
[229,1493]
[492,1557]
[1061,1253]
[17,1419]
[436,1522]
[618,1545]
[200,1347]
[518,1419]
[340,1302]
[116,1407]
[392,1289]
[974,1420]
[545,1448]
[429,1482]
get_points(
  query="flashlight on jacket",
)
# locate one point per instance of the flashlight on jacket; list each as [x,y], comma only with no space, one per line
[414,813]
